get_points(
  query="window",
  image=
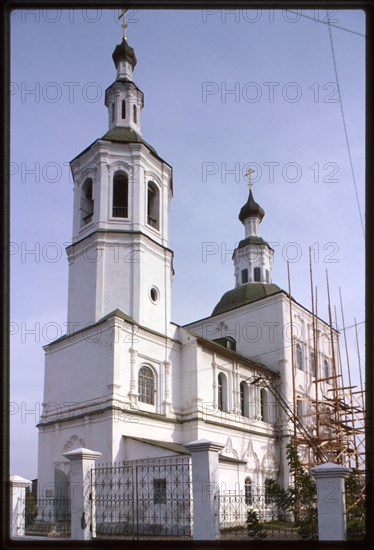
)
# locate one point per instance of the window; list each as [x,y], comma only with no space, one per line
[146,385]
[153,293]
[87,203]
[257,275]
[222,392]
[299,357]
[113,107]
[264,405]
[268,498]
[267,273]
[123,108]
[244,276]
[326,369]
[153,205]
[299,407]
[230,343]
[248,497]
[120,195]
[244,399]
[159,491]
[313,366]
[134,114]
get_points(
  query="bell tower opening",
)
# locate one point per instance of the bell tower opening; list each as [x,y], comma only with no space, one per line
[120,195]
[153,205]
[87,203]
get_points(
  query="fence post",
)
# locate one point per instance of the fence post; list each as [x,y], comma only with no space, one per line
[17,499]
[330,479]
[81,463]
[205,488]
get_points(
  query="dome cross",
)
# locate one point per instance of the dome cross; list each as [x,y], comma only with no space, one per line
[248,175]
[124,23]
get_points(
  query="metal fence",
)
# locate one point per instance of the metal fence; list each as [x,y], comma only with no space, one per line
[233,513]
[144,499]
[47,517]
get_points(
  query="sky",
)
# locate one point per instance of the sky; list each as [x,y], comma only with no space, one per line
[224,91]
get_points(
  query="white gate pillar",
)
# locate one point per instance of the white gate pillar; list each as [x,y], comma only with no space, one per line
[81,463]
[17,486]
[330,479]
[205,489]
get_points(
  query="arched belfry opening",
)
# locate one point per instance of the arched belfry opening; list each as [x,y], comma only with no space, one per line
[120,195]
[153,205]
[87,203]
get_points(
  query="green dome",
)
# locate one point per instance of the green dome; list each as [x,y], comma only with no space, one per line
[126,135]
[245,294]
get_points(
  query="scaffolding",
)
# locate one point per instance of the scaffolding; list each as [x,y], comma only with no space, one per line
[329,426]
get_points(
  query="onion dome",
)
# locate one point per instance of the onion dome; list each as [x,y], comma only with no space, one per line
[124,52]
[251,209]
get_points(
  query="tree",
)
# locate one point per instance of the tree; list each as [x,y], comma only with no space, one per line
[300,499]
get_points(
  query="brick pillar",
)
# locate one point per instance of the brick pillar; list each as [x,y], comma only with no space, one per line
[81,463]
[17,500]
[205,489]
[331,500]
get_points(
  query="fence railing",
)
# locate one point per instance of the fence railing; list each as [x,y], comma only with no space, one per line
[233,514]
[142,499]
[47,517]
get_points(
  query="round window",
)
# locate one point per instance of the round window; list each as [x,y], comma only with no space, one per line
[154,294]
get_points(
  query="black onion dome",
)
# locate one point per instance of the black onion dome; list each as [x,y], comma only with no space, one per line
[251,209]
[124,51]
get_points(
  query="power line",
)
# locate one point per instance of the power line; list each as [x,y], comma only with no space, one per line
[327,23]
[345,126]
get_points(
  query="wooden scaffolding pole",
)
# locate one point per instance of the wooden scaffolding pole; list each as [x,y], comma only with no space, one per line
[292,352]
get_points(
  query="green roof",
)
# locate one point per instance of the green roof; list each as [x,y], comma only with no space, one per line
[245,294]
[253,240]
[126,135]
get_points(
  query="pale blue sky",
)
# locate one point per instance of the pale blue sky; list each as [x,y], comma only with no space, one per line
[181,55]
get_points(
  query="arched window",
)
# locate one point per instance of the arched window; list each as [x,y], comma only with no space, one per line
[257,275]
[326,369]
[244,276]
[120,195]
[248,495]
[87,203]
[264,405]
[113,111]
[222,392]
[267,273]
[134,114]
[299,357]
[244,399]
[153,205]
[146,385]
[123,113]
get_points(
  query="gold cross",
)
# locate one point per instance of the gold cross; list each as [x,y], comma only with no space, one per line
[124,24]
[248,174]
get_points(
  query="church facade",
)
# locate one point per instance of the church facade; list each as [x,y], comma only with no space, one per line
[128,382]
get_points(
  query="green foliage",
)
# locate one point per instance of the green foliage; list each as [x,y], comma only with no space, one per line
[254,528]
[300,500]
[355,504]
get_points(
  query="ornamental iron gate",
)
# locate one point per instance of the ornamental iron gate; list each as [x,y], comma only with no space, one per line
[145,499]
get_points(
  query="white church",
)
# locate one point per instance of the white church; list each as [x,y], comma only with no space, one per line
[128,382]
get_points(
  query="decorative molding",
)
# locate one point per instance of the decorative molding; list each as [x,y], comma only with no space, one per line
[73,442]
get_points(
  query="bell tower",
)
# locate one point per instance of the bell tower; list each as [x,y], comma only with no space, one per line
[119,256]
